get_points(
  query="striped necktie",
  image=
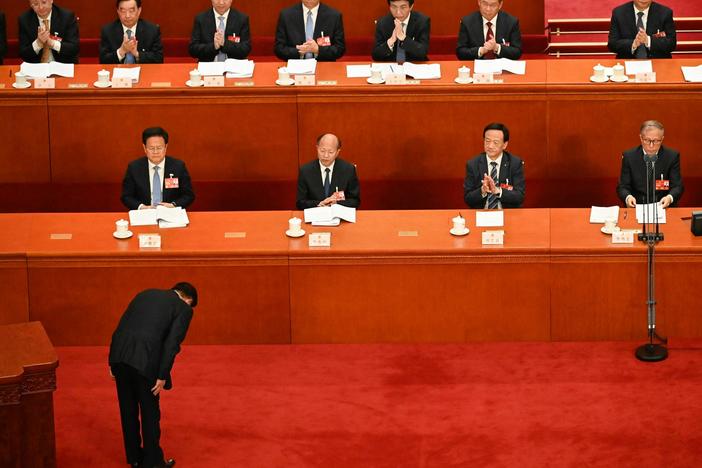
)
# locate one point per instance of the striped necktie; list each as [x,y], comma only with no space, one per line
[640,52]
[492,199]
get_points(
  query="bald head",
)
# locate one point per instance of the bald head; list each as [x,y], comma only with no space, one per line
[328,148]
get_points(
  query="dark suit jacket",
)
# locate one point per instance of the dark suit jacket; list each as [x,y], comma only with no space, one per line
[148,36]
[512,169]
[310,189]
[632,180]
[471,37]
[290,32]
[3,36]
[63,25]
[204,28]
[416,44]
[136,185]
[623,30]
[149,333]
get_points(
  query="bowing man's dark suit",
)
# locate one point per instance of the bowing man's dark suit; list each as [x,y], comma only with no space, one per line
[416,43]
[143,349]
[3,37]
[310,188]
[471,36]
[511,169]
[136,185]
[290,32]
[63,25]
[148,36]
[632,180]
[623,30]
[237,36]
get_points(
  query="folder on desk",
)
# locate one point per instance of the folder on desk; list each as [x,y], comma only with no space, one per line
[162,216]
[330,215]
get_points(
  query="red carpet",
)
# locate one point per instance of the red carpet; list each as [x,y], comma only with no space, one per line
[502,405]
[561,9]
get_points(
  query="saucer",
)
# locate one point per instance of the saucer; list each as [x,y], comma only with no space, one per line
[299,233]
[620,79]
[25,86]
[607,231]
[466,81]
[287,82]
[459,233]
[192,85]
[372,81]
[97,84]
[595,79]
[122,235]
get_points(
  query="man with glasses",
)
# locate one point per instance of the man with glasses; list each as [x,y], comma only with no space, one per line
[402,35]
[668,185]
[494,178]
[130,39]
[642,29]
[156,179]
[489,33]
[220,33]
[310,29]
[48,33]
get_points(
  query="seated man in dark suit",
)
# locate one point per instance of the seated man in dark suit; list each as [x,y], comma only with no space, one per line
[489,33]
[642,29]
[220,33]
[3,37]
[142,352]
[667,183]
[130,39]
[156,179]
[495,178]
[402,35]
[328,180]
[48,33]
[310,30]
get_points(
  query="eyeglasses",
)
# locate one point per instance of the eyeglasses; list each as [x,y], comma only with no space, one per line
[649,142]
[155,149]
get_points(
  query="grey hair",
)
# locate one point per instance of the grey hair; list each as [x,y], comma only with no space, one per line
[652,124]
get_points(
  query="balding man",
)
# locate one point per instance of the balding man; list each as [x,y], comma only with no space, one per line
[328,180]
[48,33]
[489,33]
[130,39]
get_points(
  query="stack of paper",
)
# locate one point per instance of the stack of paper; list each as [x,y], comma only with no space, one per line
[358,71]
[647,213]
[302,66]
[131,73]
[599,214]
[494,218]
[500,65]
[693,74]
[639,66]
[233,68]
[330,215]
[164,217]
[45,70]
[423,72]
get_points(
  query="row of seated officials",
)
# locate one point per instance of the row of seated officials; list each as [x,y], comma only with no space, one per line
[494,179]
[310,29]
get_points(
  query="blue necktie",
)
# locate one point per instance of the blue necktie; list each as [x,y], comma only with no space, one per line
[492,199]
[129,58]
[221,56]
[401,55]
[327,183]
[309,32]
[640,51]
[156,195]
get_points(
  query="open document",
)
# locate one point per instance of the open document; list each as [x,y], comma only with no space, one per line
[358,71]
[232,67]
[518,67]
[638,66]
[131,73]
[692,74]
[330,215]
[600,214]
[162,216]
[45,70]
[647,213]
[430,71]
[302,66]
[492,218]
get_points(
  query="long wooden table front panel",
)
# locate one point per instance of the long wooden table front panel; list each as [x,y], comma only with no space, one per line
[395,276]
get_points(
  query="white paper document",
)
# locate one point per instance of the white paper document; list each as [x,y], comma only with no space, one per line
[692,74]
[328,214]
[599,214]
[45,70]
[358,71]
[232,67]
[131,73]
[493,218]
[642,66]
[161,216]
[518,67]
[647,213]
[211,68]
[388,68]
[431,71]
[302,66]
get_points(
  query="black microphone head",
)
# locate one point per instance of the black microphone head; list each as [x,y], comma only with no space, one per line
[650,157]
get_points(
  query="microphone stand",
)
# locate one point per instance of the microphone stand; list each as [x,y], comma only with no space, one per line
[651,351]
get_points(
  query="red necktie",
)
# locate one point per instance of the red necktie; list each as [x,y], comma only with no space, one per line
[488,37]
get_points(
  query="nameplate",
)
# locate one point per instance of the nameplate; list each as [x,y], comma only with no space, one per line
[395,79]
[493,237]
[645,77]
[45,83]
[61,236]
[161,84]
[327,83]
[77,85]
[320,239]
[408,234]
[244,84]
[213,81]
[149,241]
[305,80]
[121,83]
[483,78]
[234,235]
[623,237]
